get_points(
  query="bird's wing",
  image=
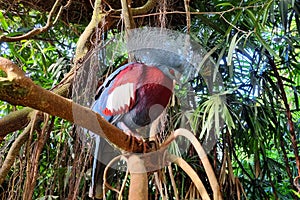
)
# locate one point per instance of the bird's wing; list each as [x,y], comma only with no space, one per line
[119,93]
[120,100]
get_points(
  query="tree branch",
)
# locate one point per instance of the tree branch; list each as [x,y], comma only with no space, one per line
[20,90]
[82,49]
[150,4]
[145,8]
[191,173]
[188,15]
[127,15]
[14,121]
[203,157]
[138,178]
[19,119]
[36,31]
[14,151]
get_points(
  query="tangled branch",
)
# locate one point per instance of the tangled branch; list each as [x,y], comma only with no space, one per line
[36,31]
[14,151]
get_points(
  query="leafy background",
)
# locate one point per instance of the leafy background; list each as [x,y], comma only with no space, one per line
[255,47]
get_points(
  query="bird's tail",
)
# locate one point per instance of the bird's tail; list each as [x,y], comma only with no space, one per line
[103,153]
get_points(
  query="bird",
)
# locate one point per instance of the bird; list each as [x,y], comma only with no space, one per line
[130,98]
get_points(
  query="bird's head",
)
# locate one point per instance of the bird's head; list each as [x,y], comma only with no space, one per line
[170,63]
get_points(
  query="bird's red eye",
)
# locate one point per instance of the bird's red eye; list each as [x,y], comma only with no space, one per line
[172,72]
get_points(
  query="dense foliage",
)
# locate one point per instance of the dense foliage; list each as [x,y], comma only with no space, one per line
[255,47]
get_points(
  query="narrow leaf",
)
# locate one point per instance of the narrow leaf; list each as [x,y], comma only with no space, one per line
[263,42]
[3,22]
[216,70]
[207,56]
[231,48]
[225,4]
[284,13]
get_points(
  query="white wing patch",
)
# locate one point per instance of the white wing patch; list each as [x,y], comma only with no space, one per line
[119,98]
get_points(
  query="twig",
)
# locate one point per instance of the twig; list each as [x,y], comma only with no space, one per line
[14,151]
[37,31]
[231,24]
[127,15]
[173,182]
[159,186]
[162,10]
[123,185]
[188,15]
[105,175]
[128,21]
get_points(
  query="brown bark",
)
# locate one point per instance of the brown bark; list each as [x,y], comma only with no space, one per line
[13,152]
[14,121]
[80,11]
[127,15]
[97,17]
[138,179]
[33,162]
[19,119]
[17,89]
[37,31]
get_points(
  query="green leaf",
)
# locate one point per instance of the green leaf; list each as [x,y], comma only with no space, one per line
[236,19]
[283,5]
[3,22]
[296,193]
[298,23]
[266,11]
[254,20]
[231,48]
[251,17]
[225,4]
[216,69]
[266,46]
[207,56]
